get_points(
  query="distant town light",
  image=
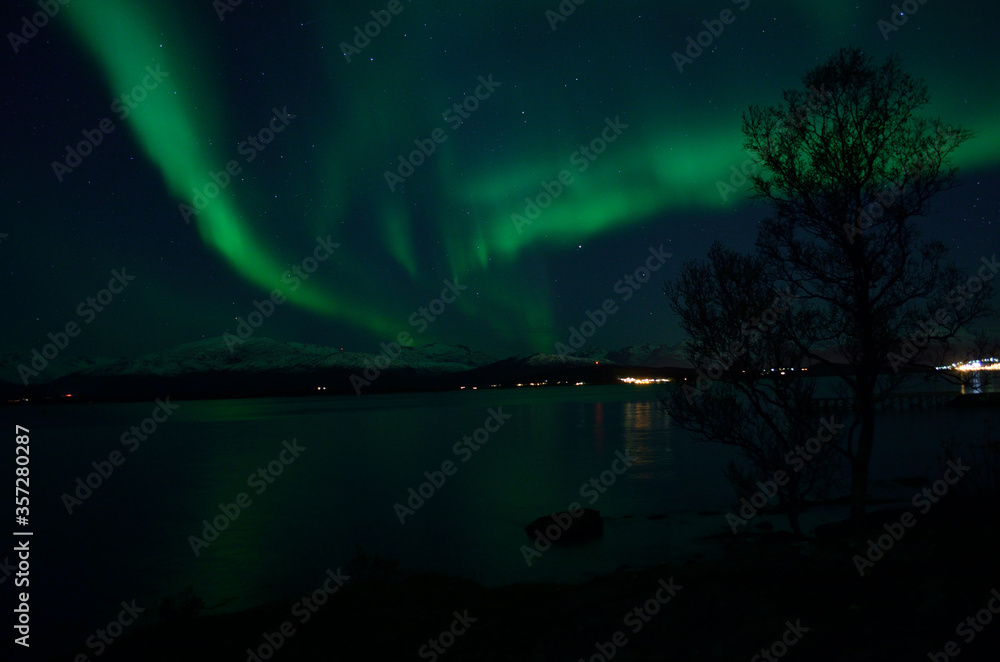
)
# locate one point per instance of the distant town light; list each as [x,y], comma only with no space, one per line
[641,380]
[991,363]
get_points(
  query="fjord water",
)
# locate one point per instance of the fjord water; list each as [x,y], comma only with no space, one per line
[130,538]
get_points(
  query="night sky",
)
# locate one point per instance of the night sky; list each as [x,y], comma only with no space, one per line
[344,120]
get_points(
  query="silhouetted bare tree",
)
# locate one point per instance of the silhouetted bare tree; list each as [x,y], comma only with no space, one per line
[846,182]
[739,327]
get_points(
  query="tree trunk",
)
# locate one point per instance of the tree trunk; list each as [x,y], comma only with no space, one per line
[793,521]
[866,438]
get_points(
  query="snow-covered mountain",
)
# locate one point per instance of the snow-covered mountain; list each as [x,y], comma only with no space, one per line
[255,355]
[11,366]
[257,366]
[258,355]
[650,356]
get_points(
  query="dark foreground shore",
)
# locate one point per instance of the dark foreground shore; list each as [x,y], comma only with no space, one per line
[768,596]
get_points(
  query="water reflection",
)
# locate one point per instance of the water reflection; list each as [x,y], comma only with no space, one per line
[974,385]
[646,427]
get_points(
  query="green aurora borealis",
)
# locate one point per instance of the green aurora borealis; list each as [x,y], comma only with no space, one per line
[452,218]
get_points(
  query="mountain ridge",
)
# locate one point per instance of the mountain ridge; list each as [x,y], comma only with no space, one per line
[260,366]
